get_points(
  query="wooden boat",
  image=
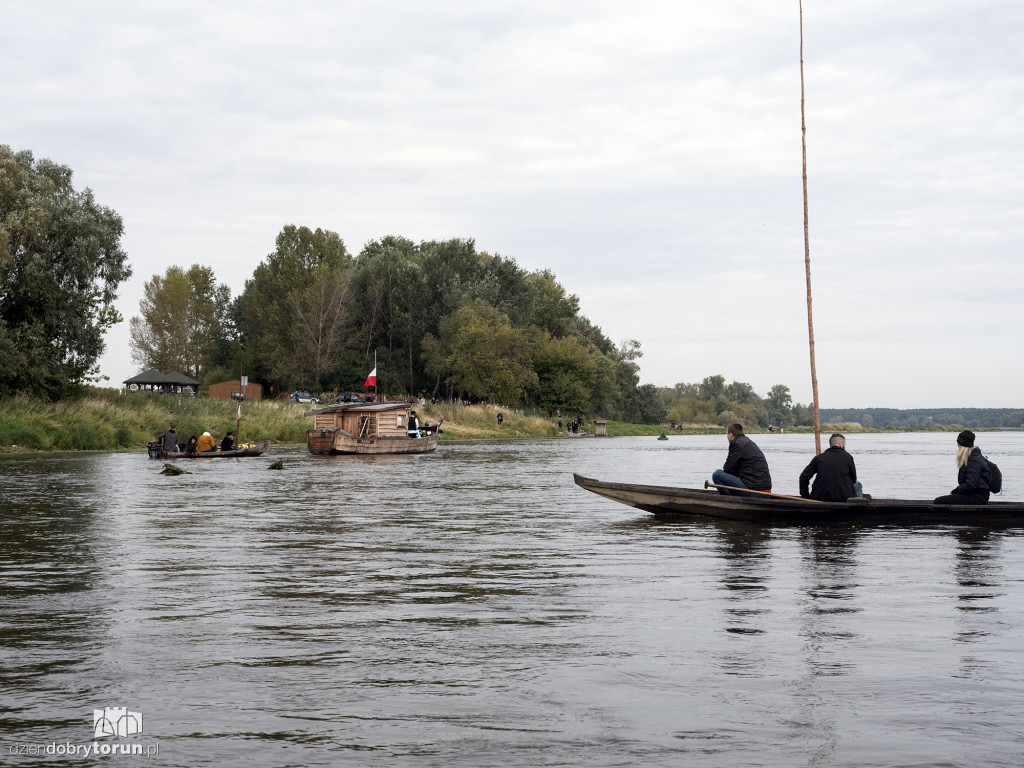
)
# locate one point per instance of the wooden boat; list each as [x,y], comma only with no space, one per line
[251,449]
[666,501]
[366,428]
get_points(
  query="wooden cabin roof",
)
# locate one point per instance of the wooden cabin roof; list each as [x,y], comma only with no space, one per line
[360,407]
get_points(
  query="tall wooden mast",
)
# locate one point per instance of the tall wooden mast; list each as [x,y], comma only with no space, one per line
[807,246]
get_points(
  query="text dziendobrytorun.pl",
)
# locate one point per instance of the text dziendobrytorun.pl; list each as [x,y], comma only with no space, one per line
[85,750]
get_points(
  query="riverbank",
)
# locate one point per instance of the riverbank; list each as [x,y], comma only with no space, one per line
[107,419]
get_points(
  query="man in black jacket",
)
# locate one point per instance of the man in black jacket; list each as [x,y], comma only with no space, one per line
[745,466]
[836,474]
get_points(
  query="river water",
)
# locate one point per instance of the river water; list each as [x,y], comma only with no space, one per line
[473,607]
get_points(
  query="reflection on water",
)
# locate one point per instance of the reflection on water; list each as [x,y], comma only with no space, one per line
[473,607]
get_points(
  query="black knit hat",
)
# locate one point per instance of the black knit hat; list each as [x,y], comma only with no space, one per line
[966,439]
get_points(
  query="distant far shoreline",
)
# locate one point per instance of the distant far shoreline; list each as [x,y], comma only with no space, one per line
[923,418]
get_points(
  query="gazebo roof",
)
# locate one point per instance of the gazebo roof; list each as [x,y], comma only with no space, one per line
[179,378]
[153,376]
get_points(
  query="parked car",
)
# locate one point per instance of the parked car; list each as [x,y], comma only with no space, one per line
[352,397]
[304,397]
[238,396]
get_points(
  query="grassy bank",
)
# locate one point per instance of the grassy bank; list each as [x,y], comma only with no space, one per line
[107,419]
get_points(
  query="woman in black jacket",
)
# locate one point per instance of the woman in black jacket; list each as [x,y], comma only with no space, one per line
[972,476]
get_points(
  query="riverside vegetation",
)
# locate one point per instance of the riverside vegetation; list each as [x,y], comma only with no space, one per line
[107,419]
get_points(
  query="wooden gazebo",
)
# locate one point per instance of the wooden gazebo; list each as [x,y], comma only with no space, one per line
[166,383]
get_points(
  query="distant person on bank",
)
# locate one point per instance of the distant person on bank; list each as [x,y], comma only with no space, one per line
[745,466]
[205,443]
[972,474]
[834,473]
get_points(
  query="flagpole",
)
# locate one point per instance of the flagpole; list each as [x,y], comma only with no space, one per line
[238,414]
[375,378]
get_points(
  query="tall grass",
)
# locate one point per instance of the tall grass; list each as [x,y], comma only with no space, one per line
[109,420]
[480,422]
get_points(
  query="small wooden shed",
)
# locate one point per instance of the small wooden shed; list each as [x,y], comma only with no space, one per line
[364,419]
[224,389]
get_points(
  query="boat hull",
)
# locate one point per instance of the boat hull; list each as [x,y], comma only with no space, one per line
[235,453]
[336,442]
[667,501]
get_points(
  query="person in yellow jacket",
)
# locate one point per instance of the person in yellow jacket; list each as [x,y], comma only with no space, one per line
[205,442]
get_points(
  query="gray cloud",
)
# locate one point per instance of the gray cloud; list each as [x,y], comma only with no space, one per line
[648,153]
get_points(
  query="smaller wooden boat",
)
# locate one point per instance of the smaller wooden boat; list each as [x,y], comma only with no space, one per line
[248,449]
[666,501]
[367,428]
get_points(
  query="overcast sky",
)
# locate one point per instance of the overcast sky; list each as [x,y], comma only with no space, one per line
[648,153]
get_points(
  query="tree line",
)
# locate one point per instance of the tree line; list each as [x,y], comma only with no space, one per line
[712,401]
[923,418]
[442,319]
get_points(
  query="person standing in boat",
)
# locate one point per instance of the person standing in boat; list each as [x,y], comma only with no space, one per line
[972,474]
[745,466]
[836,474]
[414,425]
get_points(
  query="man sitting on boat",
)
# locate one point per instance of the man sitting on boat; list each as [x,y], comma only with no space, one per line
[836,474]
[169,439]
[228,442]
[745,466]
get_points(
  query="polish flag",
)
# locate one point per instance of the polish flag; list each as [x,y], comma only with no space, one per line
[371,380]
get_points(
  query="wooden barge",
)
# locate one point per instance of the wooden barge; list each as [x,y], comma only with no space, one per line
[366,428]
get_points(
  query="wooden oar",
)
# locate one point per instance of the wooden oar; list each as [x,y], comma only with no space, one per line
[709,484]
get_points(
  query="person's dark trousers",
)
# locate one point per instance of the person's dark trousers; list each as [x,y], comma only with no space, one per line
[721,477]
[959,498]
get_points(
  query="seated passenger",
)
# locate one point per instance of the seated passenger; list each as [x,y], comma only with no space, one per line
[169,439]
[228,442]
[206,443]
[836,474]
[972,475]
[745,466]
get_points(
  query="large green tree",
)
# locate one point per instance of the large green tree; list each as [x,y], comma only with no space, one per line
[395,307]
[490,359]
[268,312]
[61,263]
[567,373]
[179,325]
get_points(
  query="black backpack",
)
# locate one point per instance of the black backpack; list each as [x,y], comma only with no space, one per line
[995,477]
